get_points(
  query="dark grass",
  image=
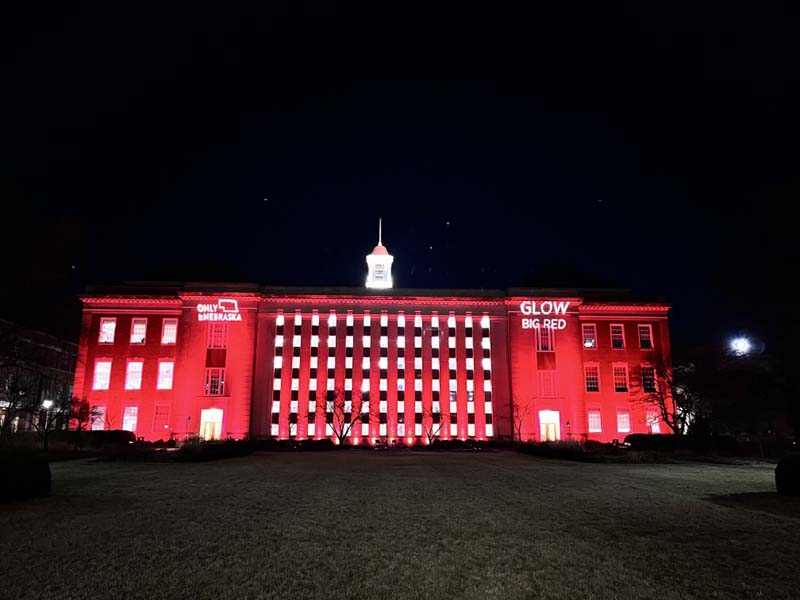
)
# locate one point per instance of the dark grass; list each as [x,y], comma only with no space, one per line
[397,525]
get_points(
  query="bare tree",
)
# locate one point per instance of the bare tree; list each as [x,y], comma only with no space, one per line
[48,416]
[430,429]
[519,415]
[339,414]
[81,416]
[18,390]
[671,390]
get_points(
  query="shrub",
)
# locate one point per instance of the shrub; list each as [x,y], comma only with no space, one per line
[787,475]
[663,442]
[197,450]
[562,450]
[24,475]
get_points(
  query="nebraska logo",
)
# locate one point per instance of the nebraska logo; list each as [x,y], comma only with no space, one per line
[225,309]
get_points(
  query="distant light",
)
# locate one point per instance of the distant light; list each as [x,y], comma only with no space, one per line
[47,404]
[741,346]
[410,440]
[588,344]
[356,441]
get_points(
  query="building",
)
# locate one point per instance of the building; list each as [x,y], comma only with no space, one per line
[34,367]
[402,365]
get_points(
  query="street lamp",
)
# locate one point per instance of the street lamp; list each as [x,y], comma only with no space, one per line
[741,346]
[47,405]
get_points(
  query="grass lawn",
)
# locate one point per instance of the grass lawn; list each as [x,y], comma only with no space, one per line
[402,525]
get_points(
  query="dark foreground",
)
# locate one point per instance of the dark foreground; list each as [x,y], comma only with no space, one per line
[405,525]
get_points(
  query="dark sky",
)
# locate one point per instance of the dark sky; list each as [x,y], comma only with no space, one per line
[648,148]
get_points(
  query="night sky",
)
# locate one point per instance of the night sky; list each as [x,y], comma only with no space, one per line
[648,149]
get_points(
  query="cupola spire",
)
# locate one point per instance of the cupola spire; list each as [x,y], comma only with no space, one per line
[379,264]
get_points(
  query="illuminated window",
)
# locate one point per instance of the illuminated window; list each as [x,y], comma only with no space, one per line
[98,418]
[218,335]
[169,331]
[129,418]
[108,326]
[589,335]
[653,421]
[648,379]
[138,331]
[617,336]
[620,378]
[623,421]
[595,422]
[133,376]
[591,375]
[166,369]
[161,419]
[646,337]
[544,339]
[547,384]
[102,375]
[215,382]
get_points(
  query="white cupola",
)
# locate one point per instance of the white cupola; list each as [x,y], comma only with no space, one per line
[379,265]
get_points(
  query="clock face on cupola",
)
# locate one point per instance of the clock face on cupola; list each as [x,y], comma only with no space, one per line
[379,265]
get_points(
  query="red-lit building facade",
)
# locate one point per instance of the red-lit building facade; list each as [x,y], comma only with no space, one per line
[167,361]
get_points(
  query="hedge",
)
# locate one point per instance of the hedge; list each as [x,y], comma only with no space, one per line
[24,475]
[787,475]
[197,450]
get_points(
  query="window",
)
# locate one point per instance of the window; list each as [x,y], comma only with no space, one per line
[218,335]
[653,422]
[544,339]
[133,376]
[589,335]
[595,422]
[161,420]
[165,370]
[648,379]
[98,418]
[138,331]
[215,382]
[646,337]
[108,326]
[129,418]
[617,336]
[102,374]
[623,421]
[547,384]
[591,375]
[620,378]
[169,331]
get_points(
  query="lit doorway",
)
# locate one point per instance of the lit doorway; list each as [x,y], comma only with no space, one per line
[549,428]
[211,423]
